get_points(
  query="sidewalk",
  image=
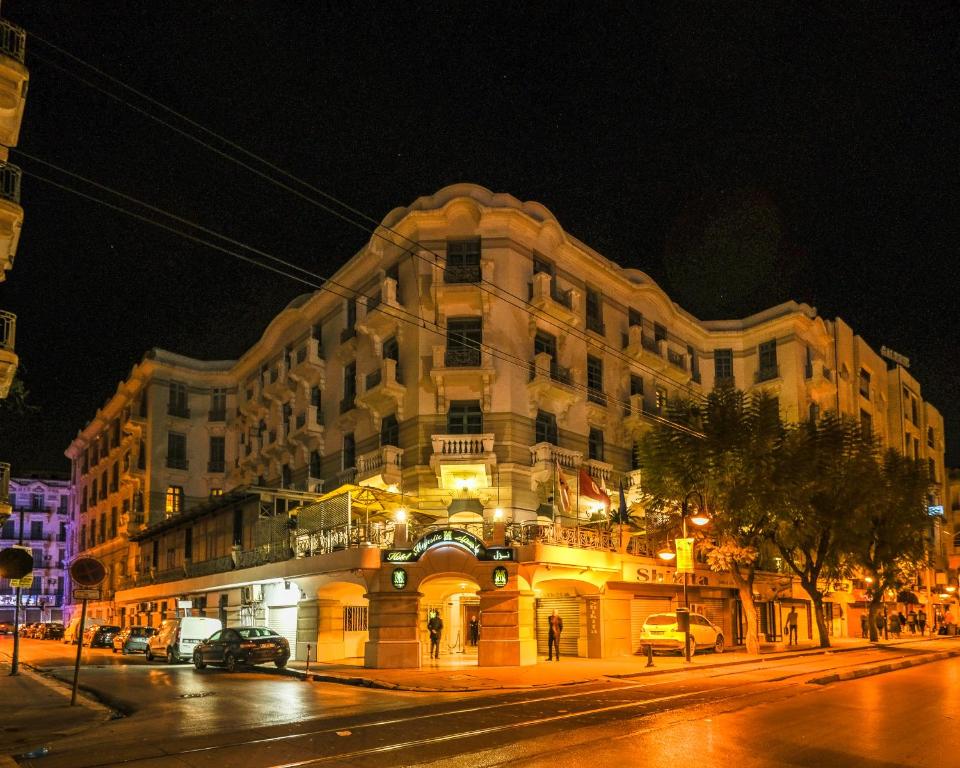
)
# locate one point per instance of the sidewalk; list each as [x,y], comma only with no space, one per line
[38,712]
[459,674]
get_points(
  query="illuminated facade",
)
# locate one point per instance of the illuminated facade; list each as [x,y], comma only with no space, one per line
[479,369]
[42,507]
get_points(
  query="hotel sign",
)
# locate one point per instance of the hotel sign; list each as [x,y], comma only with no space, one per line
[895,357]
[500,577]
[447,536]
[398,578]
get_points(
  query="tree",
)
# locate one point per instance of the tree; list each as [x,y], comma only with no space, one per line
[823,467]
[725,449]
[888,529]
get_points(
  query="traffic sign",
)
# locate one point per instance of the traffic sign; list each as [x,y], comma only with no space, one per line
[86,594]
[16,562]
[24,582]
[87,571]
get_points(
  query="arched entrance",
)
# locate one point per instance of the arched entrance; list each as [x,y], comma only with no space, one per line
[455,599]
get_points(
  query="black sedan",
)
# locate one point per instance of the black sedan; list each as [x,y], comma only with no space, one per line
[100,636]
[236,646]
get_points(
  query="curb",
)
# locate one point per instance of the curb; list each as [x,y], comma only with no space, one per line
[882,669]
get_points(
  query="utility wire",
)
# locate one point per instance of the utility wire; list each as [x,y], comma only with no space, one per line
[313,280]
[415,246]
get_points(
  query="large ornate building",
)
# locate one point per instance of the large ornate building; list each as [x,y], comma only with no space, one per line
[439,429]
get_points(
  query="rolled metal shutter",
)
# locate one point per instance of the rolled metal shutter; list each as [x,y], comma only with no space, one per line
[569,610]
[283,621]
[640,608]
[715,609]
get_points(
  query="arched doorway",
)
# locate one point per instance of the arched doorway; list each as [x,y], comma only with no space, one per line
[455,598]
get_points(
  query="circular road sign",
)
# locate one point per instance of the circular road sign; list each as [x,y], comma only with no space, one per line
[15,563]
[87,571]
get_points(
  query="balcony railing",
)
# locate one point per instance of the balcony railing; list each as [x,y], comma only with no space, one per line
[179,411]
[595,324]
[461,357]
[767,373]
[8,330]
[676,359]
[4,482]
[13,41]
[462,273]
[219,415]
[216,467]
[175,462]
[597,396]
[461,446]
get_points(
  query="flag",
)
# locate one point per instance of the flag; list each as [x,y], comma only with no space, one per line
[563,498]
[590,489]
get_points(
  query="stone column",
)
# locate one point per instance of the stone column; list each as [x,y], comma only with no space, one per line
[506,628]
[329,637]
[393,642]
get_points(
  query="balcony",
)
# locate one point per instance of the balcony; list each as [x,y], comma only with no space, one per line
[384,391]
[380,468]
[463,462]
[5,507]
[460,289]
[173,462]
[550,387]
[132,423]
[13,42]
[600,471]
[308,428]
[8,358]
[217,467]
[563,306]
[277,386]
[251,400]
[644,347]
[766,373]
[379,318]
[463,371]
[251,456]
[819,379]
[308,365]
[275,444]
[11,214]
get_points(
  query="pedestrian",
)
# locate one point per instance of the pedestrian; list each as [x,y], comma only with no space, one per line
[912,621]
[474,630]
[950,622]
[881,624]
[895,625]
[863,625]
[553,636]
[435,627]
[790,628]
[922,620]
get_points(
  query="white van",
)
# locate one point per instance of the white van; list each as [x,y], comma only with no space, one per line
[177,638]
[74,631]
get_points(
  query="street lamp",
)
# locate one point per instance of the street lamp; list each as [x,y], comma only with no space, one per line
[699,518]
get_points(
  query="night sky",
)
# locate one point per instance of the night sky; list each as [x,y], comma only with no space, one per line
[742,154]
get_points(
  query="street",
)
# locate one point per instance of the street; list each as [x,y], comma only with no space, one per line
[765,712]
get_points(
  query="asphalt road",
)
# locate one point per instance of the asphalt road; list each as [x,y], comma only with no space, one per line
[763,714]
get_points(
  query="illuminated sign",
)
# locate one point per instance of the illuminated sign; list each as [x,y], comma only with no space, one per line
[500,577]
[446,536]
[684,555]
[399,578]
[936,510]
[896,357]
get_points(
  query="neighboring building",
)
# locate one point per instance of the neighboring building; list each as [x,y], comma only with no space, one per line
[953,488]
[40,521]
[441,432]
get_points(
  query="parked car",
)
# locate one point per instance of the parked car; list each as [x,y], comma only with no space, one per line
[27,630]
[101,636]
[74,631]
[177,638]
[6,628]
[236,646]
[52,630]
[133,639]
[660,630]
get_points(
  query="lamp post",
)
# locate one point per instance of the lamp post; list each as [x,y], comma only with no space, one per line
[700,518]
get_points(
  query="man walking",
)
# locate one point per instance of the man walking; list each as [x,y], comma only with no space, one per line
[435,628]
[553,637]
[922,621]
[791,626]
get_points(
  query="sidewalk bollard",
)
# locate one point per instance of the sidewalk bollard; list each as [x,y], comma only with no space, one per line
[649,648]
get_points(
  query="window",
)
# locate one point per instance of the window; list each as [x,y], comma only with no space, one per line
[932,466]
[659,332]
[464,418]
[541,265]
[595,393]
[188,544]
[808,365]
[814,413]
[463,261]
[349,451]
[36,529]
[545,343]
[391,351]
[142,455]
[661,400]
[115,478]
[286,476]
[464,340]
[93,492]
[218,405]
[176,450]
[634,318]
[546,428]
[930,437]
[314,463]
[595,444]
[866,422]
[143,404]
[217,454]
[694,363]
[389,431]
[173,503]
[216,493]
[114,519]
[7,531]
[178,403]
[594,311]
[636,385]
[355,618]
[914,411]
[723,366]
[83,537]
[349,387]
[865,383]
[767,364]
